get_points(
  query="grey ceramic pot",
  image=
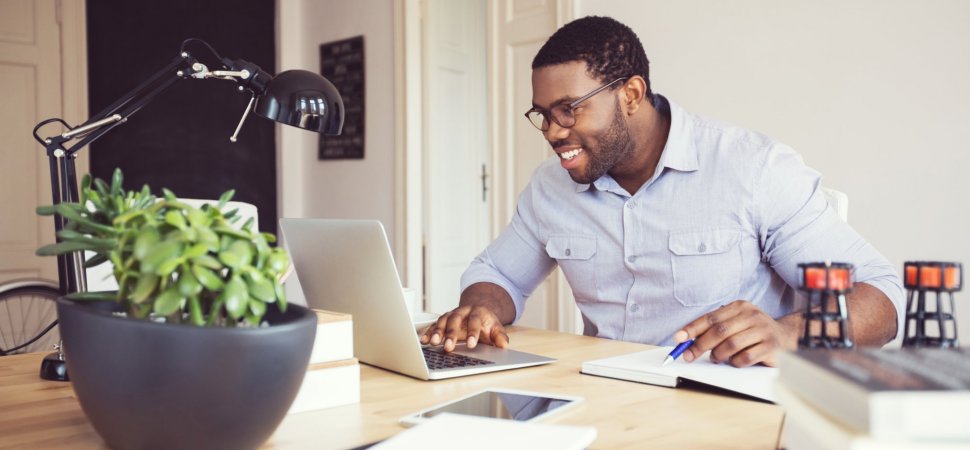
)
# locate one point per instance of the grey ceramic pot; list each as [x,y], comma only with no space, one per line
[150,385]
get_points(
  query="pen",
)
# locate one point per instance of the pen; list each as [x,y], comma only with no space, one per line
[675,353]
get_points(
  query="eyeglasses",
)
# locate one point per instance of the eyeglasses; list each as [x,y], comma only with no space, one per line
[563,114]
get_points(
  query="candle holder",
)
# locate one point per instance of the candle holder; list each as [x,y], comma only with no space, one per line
[939,278]
[826,284]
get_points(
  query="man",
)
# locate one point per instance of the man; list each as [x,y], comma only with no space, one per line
[667,225]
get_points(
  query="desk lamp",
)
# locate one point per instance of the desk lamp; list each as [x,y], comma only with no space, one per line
[294,97]
[826,285]
[939,278]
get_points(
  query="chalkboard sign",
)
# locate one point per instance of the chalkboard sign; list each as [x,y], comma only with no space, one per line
[342,62]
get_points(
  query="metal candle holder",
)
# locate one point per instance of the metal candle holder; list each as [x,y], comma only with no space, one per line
[826,284]
[939,278]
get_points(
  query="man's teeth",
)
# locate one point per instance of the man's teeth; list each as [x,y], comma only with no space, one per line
[570,154]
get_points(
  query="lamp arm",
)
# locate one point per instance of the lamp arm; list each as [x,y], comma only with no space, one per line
[70,267]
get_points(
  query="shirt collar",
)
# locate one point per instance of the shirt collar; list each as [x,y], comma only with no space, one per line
[679,152]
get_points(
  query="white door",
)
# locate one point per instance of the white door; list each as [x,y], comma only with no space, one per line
[455,143]
[39,41]
[518,28]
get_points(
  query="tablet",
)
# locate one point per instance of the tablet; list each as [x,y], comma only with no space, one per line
[500,404]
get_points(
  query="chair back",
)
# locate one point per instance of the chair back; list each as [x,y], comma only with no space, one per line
[839,202]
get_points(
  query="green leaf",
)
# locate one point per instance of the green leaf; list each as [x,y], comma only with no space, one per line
[168,302]
[230,231]
[169,195]
[116,179]
[175,218]
[198,218]
[262,289]
[239,254]
[208,261]
[278,261]
[235,297]
[225,197]
[195,251]
[67,247]
[248,224]
[96,260]
[93,296]
[271,238]
[280,296]
[168,266]
[46,210]
[122,219]
[188,285]
[145,242]
[144,288]
[207,278]
[158,255]
[209,238]
[258,309]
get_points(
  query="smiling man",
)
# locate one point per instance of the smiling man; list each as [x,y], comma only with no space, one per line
[668,226]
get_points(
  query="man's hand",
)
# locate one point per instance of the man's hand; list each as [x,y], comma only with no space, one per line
[741,334]
[473,324]
[478,318]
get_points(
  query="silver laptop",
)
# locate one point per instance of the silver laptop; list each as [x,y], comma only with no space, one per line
[346,266]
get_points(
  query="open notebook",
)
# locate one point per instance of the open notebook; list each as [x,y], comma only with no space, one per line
[645,367]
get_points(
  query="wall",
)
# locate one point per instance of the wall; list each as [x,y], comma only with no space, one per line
[875,94]
[360,188]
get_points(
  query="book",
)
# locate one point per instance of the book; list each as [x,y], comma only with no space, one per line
[807,428]
[327,385]
[886,393]
[446,431]
[335,337]
[646,367]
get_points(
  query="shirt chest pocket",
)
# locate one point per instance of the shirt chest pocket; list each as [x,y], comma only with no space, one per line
[575,254]
[706,265]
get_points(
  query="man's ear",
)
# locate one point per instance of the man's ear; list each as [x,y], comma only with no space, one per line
[633,93]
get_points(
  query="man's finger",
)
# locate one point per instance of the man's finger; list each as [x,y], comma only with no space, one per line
[711,329]
[455,328]
[498,336]
[736,344]
[759,353]
[475,328]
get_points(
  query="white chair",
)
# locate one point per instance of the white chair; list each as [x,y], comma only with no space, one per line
[839,201]
[101,277]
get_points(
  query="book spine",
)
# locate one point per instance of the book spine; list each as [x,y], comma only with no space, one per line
[328,385]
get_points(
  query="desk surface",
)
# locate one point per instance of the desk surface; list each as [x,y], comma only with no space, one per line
[45,414]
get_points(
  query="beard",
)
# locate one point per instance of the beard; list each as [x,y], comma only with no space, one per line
[615,145]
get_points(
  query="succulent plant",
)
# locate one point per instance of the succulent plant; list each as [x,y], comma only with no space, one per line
[172,259]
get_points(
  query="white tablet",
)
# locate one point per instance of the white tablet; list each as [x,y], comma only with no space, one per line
[500,404]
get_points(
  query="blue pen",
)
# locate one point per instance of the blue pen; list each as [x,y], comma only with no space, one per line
[675,353]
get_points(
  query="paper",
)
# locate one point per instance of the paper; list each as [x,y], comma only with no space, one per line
[646,367]
[451,431]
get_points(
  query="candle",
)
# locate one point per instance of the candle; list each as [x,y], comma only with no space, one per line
[930,276]
[839,279]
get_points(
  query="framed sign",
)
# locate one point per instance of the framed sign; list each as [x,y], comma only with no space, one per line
[342,62]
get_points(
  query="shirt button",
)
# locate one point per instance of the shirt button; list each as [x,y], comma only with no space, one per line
[568,252]
[630,259]
[629,205]
[702,248]
[635,307]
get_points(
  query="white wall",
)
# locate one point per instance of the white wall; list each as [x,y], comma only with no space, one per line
[873,93]
[358,188]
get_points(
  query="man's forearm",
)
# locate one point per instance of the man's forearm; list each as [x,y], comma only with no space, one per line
[872,318]
[491,296]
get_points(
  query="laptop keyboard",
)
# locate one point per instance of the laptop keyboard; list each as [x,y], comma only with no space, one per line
[437,359]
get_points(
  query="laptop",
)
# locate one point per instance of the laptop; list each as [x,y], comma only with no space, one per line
[346,266]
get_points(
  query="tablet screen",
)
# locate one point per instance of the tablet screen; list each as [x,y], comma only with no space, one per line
[501,405]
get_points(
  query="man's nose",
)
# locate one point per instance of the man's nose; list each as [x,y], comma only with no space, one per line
[555,132]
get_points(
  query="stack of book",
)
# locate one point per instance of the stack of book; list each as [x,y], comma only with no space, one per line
[875,399]
[333,375]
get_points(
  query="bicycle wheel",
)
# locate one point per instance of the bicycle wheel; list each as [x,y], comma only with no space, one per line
[28,317]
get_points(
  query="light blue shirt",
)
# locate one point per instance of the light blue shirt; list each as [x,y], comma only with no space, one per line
[727,215]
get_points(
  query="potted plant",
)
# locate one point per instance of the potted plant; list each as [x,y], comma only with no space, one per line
[197,348]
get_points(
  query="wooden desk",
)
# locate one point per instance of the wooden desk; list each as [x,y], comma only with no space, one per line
[44,414]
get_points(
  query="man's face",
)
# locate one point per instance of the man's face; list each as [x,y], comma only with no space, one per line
[600,139]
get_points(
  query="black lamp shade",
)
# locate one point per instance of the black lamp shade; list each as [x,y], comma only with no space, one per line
[303,99]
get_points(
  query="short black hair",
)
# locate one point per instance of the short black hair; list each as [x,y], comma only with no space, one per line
[610,49]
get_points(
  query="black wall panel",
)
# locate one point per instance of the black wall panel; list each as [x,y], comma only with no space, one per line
[181,139]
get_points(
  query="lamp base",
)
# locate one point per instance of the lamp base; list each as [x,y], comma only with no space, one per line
[54,367]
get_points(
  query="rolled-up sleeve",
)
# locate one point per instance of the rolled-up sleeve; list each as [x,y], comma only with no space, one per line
[516,260]
[796,225]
